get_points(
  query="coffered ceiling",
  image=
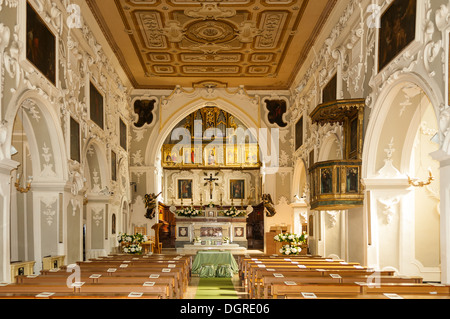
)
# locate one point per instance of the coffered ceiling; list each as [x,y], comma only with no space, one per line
[260,44]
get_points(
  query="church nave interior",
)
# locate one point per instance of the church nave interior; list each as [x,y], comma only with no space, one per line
[224,149]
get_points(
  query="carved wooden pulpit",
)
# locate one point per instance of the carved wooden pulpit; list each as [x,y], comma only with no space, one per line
[156,228]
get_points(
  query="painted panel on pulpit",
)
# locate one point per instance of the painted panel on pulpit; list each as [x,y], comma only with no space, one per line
[352,180]
[41,45]
[326,181]
[237,189]
[398,30]
[185,189]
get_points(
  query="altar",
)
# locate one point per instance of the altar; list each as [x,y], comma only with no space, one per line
[215,233]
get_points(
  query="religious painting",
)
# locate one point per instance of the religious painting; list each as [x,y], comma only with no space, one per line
[299,133]
[239,232]
[185,189]
[277,109]
[123,134]
[237,189]
[113,166]
[326,180]
[113,224]
[183,232]
[398,30]
[41,45]
[311,158]
[251,154]
[329,92]
[352,180]
[75,152]
[144,110]
[353,138]
[210,156]
[189,156]
[96,106]
[211,232]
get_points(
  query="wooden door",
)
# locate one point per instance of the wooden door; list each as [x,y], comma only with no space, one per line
[167,233]
[255,228]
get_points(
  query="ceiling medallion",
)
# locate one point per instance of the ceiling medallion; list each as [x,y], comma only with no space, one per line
[210,31]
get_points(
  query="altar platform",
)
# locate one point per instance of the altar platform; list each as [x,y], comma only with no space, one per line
[193,249]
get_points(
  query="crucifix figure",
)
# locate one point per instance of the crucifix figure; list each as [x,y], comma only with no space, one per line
[211,180]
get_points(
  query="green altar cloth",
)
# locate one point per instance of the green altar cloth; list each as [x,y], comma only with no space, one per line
[213,258]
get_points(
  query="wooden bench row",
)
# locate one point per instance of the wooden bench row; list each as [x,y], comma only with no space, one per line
[110,277]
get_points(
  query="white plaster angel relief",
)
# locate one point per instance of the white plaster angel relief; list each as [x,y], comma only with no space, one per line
[388,170]
[48,205]
[389,208]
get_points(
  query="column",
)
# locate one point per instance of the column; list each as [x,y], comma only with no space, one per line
[6,166]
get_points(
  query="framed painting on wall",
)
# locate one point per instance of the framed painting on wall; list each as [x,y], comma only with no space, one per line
[123,134]
[237,189]
[185,189]
[397,30]
[75,152]
[96,106]
[113,166]
[40,45]
[299,133]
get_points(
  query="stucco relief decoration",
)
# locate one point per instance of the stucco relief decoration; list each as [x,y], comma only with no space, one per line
[48,164]
[388,210]
[97,215]
[49,209]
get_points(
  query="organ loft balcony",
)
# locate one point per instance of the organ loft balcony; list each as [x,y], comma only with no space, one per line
[336,184]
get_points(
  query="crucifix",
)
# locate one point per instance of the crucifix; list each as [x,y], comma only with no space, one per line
[210,180]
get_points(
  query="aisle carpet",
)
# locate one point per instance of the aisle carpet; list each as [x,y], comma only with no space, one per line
[216,288]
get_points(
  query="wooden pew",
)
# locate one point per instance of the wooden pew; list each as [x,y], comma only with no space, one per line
[282,289]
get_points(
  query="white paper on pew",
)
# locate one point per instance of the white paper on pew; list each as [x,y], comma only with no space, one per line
[358,267]
[126,261]
[135,294]
[320,270]
[112,270]
[95,276]
[278,275]
[309,295]
[149,284]
[290,283]
[294,262]
[254,259]
[393,296]
[287,259]
[343,263]
[154,276]
[171,262]
[45,295]
[32,276]
[166,270]
[335,276]
[4,284]
[53,270]
[329,260]
[258,262]
[301,266]
[171,266]
[123,266]
[262,266]
[77,284]
[271,269]
[135,258]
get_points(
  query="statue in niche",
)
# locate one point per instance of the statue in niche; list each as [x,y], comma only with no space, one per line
[144,110]
[269,207]
[277,109]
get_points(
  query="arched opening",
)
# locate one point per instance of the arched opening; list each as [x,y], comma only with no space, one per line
[36,214]
[404,201]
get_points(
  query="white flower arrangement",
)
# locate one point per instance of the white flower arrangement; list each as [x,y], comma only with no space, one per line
[189,212]
[132,243]
[291,238]
[289,250]
[233,212]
